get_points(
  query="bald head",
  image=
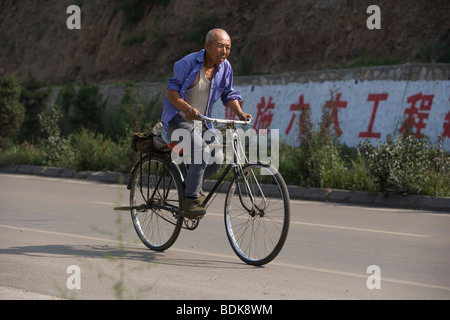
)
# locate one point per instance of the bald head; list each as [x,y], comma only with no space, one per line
[216,35]
[217,47]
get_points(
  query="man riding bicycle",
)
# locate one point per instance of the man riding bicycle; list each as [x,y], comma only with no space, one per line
[199,80]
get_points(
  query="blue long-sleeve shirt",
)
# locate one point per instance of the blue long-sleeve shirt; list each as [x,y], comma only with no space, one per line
[185,72]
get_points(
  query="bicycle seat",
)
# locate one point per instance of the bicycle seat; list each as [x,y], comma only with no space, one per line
[171,144]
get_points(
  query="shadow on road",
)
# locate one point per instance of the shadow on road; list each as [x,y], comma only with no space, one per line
[115,253]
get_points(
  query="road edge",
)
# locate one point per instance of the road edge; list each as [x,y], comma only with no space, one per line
[388,200]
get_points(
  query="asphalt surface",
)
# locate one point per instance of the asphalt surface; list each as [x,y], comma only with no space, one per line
[333,251]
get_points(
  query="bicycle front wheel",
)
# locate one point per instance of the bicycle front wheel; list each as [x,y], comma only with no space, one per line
[155,196]
[257,213]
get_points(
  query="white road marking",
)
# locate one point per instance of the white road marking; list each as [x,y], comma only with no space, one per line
[312,224]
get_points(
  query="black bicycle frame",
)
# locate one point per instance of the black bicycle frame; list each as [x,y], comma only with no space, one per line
[216,188]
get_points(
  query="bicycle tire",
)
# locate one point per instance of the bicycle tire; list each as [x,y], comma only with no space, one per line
[157,228]
[257,236]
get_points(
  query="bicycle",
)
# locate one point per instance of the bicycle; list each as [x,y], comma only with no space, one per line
[256,209]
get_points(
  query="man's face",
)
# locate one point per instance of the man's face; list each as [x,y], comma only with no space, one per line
[218,50]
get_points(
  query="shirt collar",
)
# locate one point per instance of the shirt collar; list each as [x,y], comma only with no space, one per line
[201,55]
[201,58]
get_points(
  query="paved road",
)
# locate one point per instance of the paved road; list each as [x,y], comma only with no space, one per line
[48,225]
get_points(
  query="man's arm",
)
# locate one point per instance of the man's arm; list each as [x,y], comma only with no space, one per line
[174,98]
[181,70]
[236,108]
[231,97]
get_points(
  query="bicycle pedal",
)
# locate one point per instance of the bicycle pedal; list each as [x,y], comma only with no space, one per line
[191,223]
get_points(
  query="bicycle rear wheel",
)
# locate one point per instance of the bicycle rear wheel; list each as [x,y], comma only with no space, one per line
[257,214]
[156,194]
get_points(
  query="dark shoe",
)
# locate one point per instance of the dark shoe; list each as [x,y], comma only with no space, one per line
[193,208]
[201,196]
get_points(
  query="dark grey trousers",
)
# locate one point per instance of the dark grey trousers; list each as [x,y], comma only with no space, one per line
[201,154]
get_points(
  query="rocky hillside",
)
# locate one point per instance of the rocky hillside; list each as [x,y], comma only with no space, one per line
[139,40]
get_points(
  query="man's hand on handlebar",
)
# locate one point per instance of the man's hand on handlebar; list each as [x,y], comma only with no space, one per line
[191,113]
[245,116]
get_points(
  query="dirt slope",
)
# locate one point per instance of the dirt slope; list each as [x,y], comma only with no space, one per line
[139,40]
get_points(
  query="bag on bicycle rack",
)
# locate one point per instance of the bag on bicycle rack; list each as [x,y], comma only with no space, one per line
[158,142]
[150,141]
[142,142]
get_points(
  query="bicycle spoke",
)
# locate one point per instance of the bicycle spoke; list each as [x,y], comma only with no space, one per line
[155,186]
[257,215]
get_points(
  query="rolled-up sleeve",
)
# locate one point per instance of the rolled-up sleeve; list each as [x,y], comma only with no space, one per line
[229,93]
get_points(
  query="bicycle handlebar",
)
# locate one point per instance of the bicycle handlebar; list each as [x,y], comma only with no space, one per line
[225,121]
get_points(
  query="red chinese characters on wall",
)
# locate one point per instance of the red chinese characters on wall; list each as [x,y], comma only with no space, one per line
[300,106]
[416,114]
[334,105]
[264,114]
[376,98]
[446,125]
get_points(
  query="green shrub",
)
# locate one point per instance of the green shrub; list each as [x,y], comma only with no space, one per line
[353,176]
[23,154]
[82,107]
[320,161]
[410,166]
[325,166]
[94,152]
[33,98]
[12,112]
[131,115]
